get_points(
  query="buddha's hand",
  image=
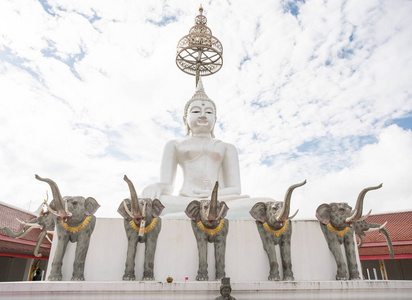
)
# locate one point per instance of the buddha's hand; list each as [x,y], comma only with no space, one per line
[155,190]
[202,193]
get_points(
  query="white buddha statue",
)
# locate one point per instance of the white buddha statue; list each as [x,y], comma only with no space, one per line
[203,159]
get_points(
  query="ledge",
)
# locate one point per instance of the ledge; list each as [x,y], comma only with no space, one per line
[206,290]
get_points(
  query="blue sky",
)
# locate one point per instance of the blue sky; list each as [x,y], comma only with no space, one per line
[315,90]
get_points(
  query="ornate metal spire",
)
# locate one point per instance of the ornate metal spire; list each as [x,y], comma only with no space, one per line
[199,53]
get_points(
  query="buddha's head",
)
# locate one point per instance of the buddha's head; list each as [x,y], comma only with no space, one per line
[200,113]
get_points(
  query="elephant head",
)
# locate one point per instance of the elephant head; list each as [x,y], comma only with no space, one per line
[275,213]
[210,212]
[72,210]
[139,209]
[340,215]
[361,227]
[44,221]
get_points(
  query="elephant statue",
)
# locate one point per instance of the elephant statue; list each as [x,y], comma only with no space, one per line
[142,224]
[44,221]
[209,225]
[274,227]
[337,222]
[361,227]
[75,222]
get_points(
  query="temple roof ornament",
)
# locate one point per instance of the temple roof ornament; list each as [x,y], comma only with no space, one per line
[199,53]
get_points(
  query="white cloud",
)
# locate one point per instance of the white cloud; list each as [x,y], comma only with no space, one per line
[90,91]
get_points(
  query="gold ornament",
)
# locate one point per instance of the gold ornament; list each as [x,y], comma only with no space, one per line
[276,232]
[338,232]
[78,228]
[147,229]
[212,232]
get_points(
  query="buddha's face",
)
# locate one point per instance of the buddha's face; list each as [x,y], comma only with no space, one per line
[201,117]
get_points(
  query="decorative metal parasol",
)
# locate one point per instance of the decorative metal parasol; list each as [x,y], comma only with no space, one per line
[199,53]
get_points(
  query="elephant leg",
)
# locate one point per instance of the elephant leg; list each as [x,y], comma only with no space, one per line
[202,251]
[83,241]
[56,271]
[269,247]
[201,241]
[131,256]
[351,257]
[149,258]
[220,250]
[334,247]
[286,258]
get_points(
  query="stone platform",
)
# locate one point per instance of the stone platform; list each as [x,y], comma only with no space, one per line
[189,290]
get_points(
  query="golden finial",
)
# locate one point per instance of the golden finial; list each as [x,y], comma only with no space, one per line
[201,9]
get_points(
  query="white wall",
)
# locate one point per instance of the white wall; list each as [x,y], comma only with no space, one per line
[176,253]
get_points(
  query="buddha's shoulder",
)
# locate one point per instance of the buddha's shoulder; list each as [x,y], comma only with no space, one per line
[187,141]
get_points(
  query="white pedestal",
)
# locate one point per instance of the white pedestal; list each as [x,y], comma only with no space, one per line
[176,253]
[245,290]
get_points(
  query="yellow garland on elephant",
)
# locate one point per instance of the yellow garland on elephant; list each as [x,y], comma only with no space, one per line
[212,232]
[147,229]
[338,232]
[276,232]
[78,228]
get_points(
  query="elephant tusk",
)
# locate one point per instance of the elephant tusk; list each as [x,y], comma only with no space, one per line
[204,212]
[294,215]
[352,217]
[383,225]
[31,225]
[20,221]
[221,212]
[378,228]
[53,212]
[49,239]
[365,216]
[66,210]
[25,233]
[127,210]
[144,210]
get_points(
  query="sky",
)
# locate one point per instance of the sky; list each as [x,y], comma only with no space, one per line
[315,90]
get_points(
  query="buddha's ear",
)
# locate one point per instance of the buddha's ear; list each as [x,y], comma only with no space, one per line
[187,126]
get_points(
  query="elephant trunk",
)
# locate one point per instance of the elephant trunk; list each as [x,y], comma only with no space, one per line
[39,240]
[284,214]
[213,204]
[61,209]
[22,233]
[382,229]
[136,212]
[357,212]
[360,241]
[389,241]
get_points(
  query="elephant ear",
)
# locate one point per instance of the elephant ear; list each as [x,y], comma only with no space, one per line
[258,212]
[193,210]
[223,208]
[157,208]
[122,211]
[91,206]
[323,213]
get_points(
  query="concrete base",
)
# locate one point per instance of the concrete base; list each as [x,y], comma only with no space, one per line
[206,290]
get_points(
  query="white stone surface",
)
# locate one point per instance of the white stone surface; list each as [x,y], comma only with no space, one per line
[241,290]
[176,253]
